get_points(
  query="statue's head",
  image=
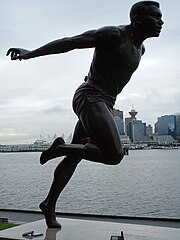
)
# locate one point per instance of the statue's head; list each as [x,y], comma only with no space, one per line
[147,16]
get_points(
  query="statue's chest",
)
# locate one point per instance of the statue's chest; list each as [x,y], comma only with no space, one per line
[128,56]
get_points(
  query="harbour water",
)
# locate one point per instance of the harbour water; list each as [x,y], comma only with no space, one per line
[145,183]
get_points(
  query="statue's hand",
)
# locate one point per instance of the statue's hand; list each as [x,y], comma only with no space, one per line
[18,53]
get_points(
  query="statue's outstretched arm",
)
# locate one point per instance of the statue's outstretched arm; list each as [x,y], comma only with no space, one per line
[85,40]
[103,36]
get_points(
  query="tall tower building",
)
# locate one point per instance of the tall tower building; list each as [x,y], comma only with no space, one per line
[133,114]
[135,129]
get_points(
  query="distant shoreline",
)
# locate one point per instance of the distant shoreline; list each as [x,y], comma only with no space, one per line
[18,151]
[136,148]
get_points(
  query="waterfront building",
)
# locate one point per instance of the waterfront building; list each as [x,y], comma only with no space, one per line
[118,113]
[14,148]
[149,131]
[118,117]
[133,114]
[37,146]
[120,125]
[177,127]
[125,140]
[40,145]
[164,140]
[166,125]
[137,131]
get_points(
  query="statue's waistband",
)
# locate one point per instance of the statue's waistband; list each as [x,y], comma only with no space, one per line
[90,81]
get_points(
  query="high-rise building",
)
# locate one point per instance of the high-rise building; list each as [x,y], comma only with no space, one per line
[166,125]
[120,125]
[149,131]
[135,129]
[118,117]
[177,126]
[117,112]
[133,114]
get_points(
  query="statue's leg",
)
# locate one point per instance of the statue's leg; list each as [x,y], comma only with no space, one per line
[99,124]
[62,175]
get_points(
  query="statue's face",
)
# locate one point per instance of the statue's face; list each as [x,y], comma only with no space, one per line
[151,22]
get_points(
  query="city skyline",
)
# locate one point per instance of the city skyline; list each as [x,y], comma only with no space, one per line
[52,135]
[36,95]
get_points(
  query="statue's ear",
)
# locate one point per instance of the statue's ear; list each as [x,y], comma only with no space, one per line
[137,19]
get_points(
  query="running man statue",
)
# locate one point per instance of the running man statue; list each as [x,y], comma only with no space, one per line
[117,53]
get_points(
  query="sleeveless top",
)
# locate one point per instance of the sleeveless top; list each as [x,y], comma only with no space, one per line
[113,64]
[111,69]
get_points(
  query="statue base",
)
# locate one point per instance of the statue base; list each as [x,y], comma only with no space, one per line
[78,229]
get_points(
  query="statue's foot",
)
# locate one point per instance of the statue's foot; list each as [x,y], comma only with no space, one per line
[51,152]
[50,217]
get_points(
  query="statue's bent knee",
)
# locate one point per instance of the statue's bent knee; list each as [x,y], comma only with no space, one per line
[114,158]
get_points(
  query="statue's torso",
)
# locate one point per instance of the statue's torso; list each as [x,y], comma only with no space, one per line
[113,66]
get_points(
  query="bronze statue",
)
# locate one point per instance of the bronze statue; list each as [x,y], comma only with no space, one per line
[118,51]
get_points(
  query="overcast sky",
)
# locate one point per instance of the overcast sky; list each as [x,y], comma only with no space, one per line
[36,95]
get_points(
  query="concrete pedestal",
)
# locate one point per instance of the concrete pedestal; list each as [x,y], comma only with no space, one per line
[75,229]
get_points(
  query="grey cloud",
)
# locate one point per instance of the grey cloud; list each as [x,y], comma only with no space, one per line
[54,110]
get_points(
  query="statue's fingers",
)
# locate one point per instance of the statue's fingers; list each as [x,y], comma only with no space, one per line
[12,54]
[15,54]
[9,51]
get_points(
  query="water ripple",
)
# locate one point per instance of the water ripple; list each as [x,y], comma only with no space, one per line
[146,183]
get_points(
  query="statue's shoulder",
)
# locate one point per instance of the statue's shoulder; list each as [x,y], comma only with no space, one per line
[123,30]
[122,27]
[111,34]
[120,32]
[109,30]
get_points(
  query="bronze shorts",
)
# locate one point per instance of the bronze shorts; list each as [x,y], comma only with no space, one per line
[89,91]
